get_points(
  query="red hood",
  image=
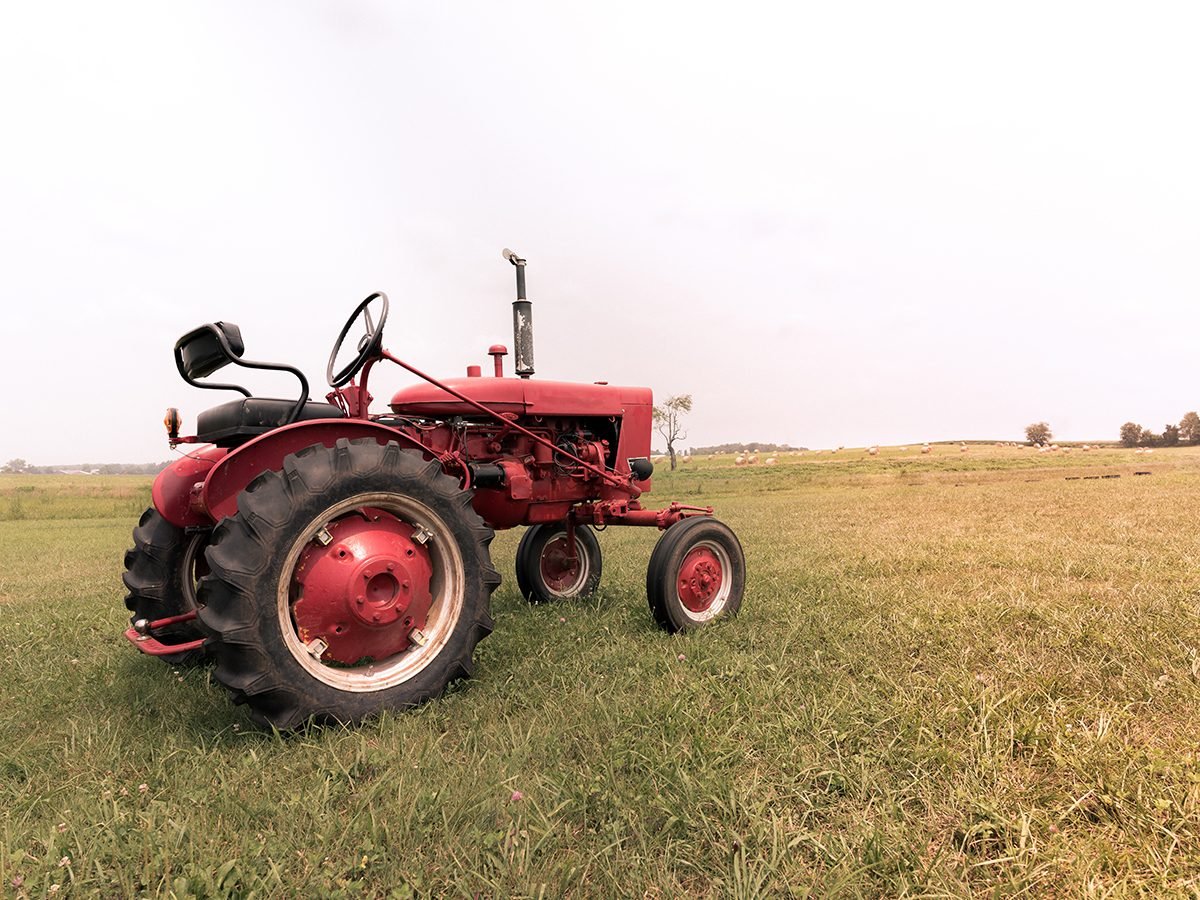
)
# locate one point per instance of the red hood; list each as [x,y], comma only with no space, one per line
[523,396]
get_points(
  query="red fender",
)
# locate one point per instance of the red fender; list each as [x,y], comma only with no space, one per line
[172,491]
[267,451]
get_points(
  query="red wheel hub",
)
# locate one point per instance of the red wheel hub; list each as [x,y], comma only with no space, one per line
[699,579]
[560,569]
[365,591]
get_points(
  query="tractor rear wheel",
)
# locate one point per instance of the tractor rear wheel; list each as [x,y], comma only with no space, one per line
[161,571]
[354,580]
[546,568]
[697,573]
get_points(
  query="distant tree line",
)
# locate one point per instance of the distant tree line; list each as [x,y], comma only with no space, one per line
[1186,432]
[20,467]
[745,445]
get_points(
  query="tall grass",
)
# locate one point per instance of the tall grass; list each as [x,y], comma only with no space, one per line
[72,496]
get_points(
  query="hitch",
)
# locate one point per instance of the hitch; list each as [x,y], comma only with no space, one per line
[141,635]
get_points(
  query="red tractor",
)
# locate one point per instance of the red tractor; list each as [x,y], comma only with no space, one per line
[334,562]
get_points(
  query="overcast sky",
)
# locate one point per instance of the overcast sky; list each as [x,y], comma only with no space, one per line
[830,223]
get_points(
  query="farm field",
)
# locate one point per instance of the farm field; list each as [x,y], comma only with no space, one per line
[955,674]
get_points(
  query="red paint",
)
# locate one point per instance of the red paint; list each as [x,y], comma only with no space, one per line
[148,644]
[497,353]
[699,579]
[543,481]
[425,400]
[509,420]
[559,564]
[172,620]
[520,395]
[529,452]
[564,449]
[172,491]
[153,647]
[266,453]
[366,591]
[632,513]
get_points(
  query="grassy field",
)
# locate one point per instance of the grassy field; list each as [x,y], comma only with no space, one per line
[957,674]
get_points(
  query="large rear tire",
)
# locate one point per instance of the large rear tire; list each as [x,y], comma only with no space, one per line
[354,580]
[547,572]
[161,572]
[697,573]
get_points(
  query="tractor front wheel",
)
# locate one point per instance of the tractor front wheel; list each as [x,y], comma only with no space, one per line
[548,570]
[697,573]
[355,580]
[161,572]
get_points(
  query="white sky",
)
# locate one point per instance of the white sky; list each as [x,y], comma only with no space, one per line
[831,223]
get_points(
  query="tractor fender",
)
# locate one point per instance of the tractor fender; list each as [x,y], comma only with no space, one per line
[172,491]
[267,451]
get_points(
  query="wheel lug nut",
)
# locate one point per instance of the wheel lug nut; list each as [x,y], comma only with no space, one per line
[391,567]
[359,600]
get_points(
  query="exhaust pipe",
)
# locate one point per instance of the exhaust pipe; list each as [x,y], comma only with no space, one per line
[522,321]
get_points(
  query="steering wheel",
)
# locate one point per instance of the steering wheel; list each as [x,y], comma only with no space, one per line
[368,345]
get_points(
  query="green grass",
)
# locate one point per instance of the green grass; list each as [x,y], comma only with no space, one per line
[72,497]
[958,675]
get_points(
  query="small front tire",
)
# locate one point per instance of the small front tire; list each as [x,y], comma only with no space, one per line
[697,573]
[546,569]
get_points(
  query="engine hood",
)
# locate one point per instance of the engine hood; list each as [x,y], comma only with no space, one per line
[519,395]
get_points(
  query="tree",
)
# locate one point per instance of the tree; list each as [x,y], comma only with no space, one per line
[1150,439]
[1170,435]
[1189,427]
[1131,433]
[669,419]
[1038,433]
[14,466]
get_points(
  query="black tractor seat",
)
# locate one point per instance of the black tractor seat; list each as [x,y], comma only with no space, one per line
[238,421]
[211,347]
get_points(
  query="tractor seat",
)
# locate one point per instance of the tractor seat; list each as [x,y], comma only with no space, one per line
[238,421]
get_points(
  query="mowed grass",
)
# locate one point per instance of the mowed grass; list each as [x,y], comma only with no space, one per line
[956,674]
